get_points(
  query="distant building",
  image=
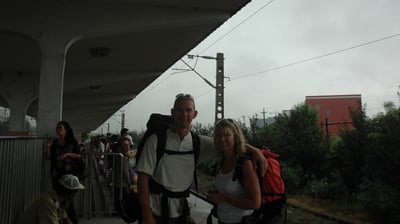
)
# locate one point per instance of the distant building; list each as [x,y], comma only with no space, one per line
[334,110]
[260,122]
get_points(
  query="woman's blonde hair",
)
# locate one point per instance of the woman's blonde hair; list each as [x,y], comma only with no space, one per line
[228,124]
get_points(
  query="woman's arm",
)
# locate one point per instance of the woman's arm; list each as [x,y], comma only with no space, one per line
[70,155]
[75,152]
[251,184]
[48,148]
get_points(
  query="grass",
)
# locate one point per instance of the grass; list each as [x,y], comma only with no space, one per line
[346,211]
[335,209]
[298,216]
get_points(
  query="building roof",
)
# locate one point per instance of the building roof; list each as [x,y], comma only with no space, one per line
[114,48]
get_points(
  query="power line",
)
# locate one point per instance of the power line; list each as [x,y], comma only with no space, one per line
[318,57]
[235,27]
[230,31]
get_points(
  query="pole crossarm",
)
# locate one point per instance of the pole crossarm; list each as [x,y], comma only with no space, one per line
[191,68]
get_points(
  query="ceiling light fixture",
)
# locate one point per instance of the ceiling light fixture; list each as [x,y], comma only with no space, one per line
[99,52]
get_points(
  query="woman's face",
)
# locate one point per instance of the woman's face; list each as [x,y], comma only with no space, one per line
[225,139]
[61,131]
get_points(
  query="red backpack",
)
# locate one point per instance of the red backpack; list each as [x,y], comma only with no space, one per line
[273,191]
[272,185]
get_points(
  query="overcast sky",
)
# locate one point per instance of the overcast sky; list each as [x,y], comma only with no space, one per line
[272,60]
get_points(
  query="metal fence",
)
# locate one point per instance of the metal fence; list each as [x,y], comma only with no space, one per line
[25,174]
[100,185]
[22,175]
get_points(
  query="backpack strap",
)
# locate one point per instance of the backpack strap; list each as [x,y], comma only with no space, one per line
[196,146]
[161,142]
[196,151]
[238,172]
[157,188]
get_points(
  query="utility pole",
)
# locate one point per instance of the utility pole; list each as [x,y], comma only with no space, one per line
[263,113]
[327,132]
[122,120]
[219,88]
[253,126]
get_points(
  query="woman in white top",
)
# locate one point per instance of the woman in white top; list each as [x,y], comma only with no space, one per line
[234,199]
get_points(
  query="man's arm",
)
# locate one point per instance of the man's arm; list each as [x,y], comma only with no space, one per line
[144,198]
[258,157]
[208,151]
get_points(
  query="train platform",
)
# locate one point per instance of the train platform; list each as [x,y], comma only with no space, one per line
[198,207]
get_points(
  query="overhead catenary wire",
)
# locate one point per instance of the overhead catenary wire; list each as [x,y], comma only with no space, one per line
[235,27]
[317,57]
[278,67]
[290,64]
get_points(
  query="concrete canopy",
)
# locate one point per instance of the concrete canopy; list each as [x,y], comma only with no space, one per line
[113,49]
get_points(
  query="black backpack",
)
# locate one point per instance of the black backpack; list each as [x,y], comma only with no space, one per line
[159,124]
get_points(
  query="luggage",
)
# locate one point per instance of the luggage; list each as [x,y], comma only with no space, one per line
[130,208]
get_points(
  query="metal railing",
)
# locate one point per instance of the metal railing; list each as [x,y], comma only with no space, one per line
[22,175]
[100,185]
[25,175]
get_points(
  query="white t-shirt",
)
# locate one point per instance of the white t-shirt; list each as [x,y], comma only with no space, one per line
[228,213]
[174,172]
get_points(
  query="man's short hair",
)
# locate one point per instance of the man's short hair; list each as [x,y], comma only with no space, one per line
[124,130]
[184,96]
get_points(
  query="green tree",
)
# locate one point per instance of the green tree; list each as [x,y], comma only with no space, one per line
[383,160]
[380,189]
[352,151]
[299,138]
[200,129]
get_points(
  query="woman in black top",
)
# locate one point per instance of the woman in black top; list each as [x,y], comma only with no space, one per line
[64,152]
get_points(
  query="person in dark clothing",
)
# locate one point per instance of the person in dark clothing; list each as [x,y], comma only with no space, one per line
[65,158]
[50,207]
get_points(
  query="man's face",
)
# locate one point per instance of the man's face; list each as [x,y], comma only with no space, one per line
[183,113]
[125,145]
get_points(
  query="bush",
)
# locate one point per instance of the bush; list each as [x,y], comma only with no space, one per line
[336,186]
[380,200]
[317,188]
[292,177]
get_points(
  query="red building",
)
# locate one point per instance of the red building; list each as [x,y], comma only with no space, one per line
[334,110]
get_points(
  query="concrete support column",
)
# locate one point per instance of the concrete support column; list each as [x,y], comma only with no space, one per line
[51,85]
[18,107]
[19,90]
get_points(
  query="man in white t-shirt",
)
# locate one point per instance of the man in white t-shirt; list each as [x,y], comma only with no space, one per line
[125,134]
